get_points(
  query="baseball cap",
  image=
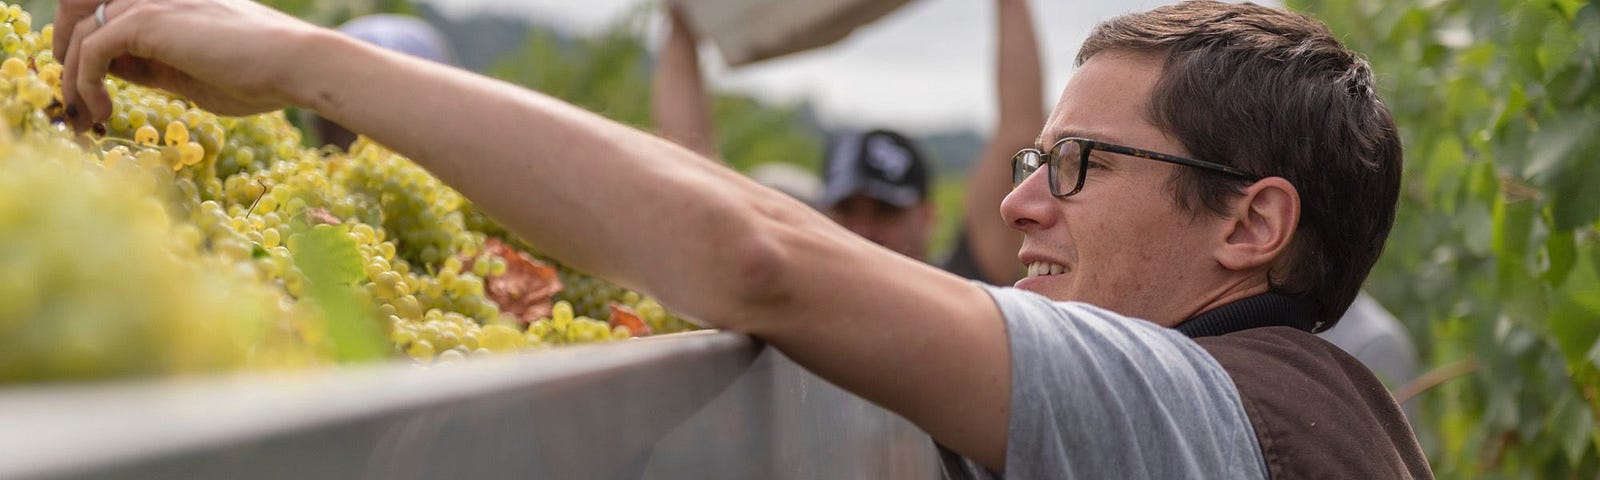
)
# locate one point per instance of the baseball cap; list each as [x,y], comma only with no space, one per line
[877,163]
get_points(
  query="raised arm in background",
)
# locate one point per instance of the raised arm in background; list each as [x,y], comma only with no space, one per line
[678,100]
[699,236]
[1020,88]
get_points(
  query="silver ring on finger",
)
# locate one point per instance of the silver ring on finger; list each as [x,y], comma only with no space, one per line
[100,15]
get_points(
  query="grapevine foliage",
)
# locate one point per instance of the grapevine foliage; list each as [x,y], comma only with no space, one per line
[1494,263]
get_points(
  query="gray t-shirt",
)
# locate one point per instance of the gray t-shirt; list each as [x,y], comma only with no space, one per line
[1095,394]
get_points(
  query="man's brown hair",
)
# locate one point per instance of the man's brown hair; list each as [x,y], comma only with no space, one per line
[1274,93]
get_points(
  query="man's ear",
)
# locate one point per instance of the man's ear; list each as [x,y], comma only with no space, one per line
[1263,223]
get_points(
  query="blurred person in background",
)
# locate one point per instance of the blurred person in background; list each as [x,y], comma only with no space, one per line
[877,183]
[1370,333]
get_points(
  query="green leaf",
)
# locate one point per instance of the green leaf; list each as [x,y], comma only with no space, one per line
[1575,320]
[1575,200]
[331,262]
[1479,56]
[1514,105]
[1569,8]
[1513,223]
[1477,226]
[1557,46]
[1561,248]
[1527,29]
[1552,148]
[1485,183]
[328,256]
[1444,170]
[1570,421]
[1594,356]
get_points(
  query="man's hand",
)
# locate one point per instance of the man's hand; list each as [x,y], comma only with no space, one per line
[228,56]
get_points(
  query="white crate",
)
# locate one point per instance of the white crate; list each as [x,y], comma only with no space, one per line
[685,406]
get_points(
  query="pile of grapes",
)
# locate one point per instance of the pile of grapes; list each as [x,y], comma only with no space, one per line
[172,240]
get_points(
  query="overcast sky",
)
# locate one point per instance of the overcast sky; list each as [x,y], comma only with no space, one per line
[927,66]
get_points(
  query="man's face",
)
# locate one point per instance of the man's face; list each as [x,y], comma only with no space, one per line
[1121,243]
[903,230]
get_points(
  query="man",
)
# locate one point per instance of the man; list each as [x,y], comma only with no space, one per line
[877,182]
[1223,169]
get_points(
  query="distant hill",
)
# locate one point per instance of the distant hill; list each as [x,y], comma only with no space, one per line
[951,152]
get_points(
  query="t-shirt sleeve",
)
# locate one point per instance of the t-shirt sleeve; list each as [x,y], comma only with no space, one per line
[1099,395]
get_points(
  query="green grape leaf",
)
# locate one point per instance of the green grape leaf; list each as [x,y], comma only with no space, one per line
[1561,248]
[1484,185]
[328,255]
[1575,320]
[1573,423]
[1573,84]
[331,261]
[1569,8]
[1557,46]
[1513,225]
[1445,166]
[1527,30]
[1553,148]
[1513,105]
[1478,56]
[1575,200]
[1594,356]
[1477,226]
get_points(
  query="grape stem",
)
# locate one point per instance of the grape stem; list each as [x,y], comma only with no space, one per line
[257,200]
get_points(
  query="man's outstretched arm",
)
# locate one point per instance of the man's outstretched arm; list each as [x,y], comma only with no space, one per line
[598,195]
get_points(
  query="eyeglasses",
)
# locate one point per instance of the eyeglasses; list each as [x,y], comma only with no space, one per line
[1028,160]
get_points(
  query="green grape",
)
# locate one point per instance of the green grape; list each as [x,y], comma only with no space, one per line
[177,133]
[480,267]
[420,350]
[451,356]
[147,135]
[562,312]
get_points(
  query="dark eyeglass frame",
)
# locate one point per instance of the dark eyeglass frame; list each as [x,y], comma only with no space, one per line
[1028,160]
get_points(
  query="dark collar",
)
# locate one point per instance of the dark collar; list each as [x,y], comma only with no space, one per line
[1264,310]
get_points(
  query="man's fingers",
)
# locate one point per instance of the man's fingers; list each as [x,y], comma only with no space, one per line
[70,90]
[68,13]
[92,55]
